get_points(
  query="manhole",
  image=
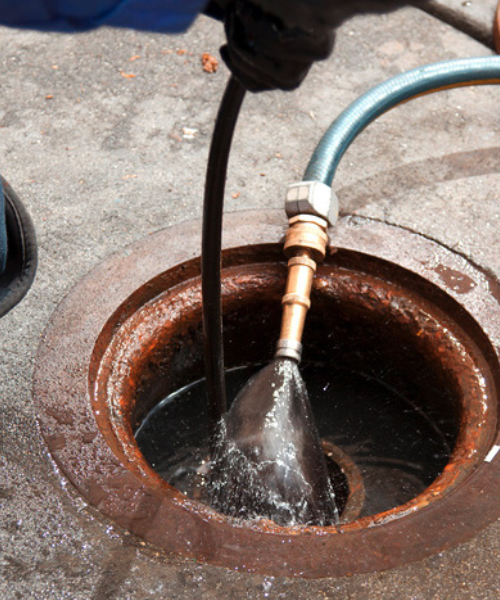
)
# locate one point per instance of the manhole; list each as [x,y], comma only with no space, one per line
[400,360]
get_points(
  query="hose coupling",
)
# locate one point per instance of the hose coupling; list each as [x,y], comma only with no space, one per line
[305,245]
[289,349]
[312,198]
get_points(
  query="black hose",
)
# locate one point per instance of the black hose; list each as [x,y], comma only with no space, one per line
[213,207]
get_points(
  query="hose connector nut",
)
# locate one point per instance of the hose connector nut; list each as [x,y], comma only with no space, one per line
[312,198]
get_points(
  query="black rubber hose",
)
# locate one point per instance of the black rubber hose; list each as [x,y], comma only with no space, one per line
[213,207]
[22,255]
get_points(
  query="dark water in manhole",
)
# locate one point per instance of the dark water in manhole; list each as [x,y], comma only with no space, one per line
[398,450]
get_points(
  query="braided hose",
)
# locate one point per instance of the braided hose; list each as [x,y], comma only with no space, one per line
[401,88]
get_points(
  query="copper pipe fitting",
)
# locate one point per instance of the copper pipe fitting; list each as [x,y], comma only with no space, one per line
[305,245]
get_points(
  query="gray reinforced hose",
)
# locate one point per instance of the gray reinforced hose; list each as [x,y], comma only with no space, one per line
[380,99]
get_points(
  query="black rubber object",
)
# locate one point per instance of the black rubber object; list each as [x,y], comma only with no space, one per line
[213,208]
[22,256]
[265,53]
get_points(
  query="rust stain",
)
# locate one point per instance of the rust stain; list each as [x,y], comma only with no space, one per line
[454,280]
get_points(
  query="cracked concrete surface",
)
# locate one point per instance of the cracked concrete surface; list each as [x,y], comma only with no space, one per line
[105,137]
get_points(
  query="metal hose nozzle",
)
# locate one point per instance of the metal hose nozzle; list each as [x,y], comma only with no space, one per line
[305,245]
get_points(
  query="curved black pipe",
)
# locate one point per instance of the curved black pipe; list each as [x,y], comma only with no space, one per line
[22,255]
[213,207]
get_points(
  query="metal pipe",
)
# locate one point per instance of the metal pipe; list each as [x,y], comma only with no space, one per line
[305,245]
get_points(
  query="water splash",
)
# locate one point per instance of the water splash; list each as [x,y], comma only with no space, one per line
[268,460]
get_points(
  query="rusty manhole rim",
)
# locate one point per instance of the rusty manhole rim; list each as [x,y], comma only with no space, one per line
[78,431]
[116,374]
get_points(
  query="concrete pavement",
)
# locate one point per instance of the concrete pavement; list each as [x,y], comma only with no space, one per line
[105,137]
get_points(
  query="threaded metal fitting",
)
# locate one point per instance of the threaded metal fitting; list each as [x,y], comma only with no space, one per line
[312,198]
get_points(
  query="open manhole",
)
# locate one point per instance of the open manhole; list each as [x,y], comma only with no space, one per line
[400,363]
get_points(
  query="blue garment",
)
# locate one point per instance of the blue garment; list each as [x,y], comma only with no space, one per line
[164,16]
[167,16]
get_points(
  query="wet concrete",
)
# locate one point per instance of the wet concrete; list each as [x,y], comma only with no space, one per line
[108,159]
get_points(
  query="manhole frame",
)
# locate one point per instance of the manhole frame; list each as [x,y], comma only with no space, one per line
[64,406]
